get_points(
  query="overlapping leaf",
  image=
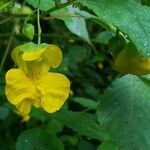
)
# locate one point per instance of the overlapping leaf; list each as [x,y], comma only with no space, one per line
[81,122]
[130,18]
[124,113]
[42,4]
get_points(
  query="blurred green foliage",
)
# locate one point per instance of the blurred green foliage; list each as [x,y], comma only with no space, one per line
[85,121]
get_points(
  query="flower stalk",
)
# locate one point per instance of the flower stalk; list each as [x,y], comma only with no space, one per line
[39,27]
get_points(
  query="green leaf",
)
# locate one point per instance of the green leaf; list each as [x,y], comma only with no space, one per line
[103,37]
[81,122]
[43,5]
[145,2]
[74,22]
[124,111]
[135,1]
[39,114]
[85,145]
[88,103]
[131,19]
[116,45]
[5,3]
[108,145]
[54,127]
[38,139]
[70,139]
[23,10]
[4,112]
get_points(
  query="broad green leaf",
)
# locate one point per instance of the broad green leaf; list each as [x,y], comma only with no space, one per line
[123,113]
[43,5]
[108,145]
[70,139]
[74,22]
[135,1]
[4,3]
[39,114]
[103,37]
[38,139]
[54,127]
[81,122]
[89,89]
[116,44]
[88,103]
[85,145]
[131,19]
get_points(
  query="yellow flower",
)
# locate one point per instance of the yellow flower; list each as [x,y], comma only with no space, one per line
[129,60]
[32,84]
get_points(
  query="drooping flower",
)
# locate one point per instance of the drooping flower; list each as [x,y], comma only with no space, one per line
[32,83]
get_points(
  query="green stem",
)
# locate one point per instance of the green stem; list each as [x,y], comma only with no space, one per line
[6,20]
[29,16]
[39,27]
[8,47]
[61,6]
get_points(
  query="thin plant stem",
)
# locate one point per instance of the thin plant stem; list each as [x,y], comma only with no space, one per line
[39,26]
[29,16]
[61,6]
[9,44]
[6,20]
[8,47]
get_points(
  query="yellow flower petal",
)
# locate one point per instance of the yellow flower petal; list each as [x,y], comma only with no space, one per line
[17,58]
[19,87]
[36,60]
[129,60]
[33,55]
[24,106]
[54,88]
[25,117]
[48,56]
[53,55]
[20,50]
